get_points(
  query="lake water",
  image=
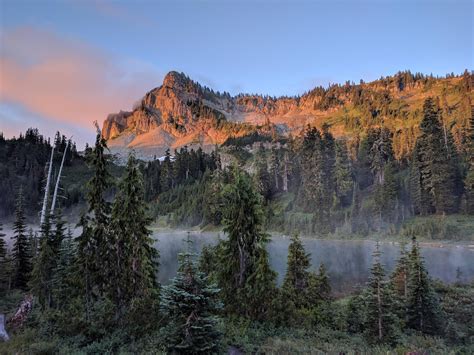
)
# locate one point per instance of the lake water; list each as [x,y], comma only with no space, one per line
[348,262]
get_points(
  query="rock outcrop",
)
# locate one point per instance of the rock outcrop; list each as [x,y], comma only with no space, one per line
[183,112]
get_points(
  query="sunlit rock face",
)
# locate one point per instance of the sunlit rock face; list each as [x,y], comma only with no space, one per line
[181,112]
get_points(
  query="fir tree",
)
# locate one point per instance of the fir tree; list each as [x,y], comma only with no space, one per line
[297,278]
[63,283]
[20,251]
[322,287]
[436,164]
[4,263]
[262,176]
[243,271]
[133,259]
[93,247]
[3,244]
[469,180]
[423,310]
[381,321]
[41,282]
[190,306]
[343,176]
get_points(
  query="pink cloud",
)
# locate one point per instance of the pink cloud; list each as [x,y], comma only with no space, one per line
[68,80]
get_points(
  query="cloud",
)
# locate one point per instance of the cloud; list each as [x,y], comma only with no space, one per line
[67,80]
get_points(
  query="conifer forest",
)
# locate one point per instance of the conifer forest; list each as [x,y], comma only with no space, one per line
[236,177]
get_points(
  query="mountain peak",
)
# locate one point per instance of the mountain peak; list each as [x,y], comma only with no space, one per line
[175,79]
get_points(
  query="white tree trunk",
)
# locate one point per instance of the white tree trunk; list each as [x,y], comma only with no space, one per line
[46,189]
[3,333]
[56,188]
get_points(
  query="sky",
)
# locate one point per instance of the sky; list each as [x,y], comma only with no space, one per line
[65,64]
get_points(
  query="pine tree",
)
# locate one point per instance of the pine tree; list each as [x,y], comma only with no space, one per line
[297,278]
[243,271]
[381,321]
[423,310]
[20,251]
[133,259]
[190,305]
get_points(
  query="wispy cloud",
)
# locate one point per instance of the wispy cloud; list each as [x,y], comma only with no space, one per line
[67,80]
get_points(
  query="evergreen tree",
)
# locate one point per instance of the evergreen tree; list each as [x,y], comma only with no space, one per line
[469,180]
[63,283]
[4,263]
[357,313]
[93,246]
[3,244]
[297,278]
[423,310]
[381,321]
[262,176]
[190,306]
[93,249]
[133,259]
[322,286]
[41,282]
[20,251]
[243,271]
[437,174]
[343,176]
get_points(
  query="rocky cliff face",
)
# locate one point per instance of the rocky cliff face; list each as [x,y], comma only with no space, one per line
[182,112]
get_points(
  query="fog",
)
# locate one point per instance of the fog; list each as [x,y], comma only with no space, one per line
[348,262]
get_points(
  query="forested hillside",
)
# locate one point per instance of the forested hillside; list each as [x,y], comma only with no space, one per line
[318,184]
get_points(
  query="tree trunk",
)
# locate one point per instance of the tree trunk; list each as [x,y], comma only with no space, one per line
[46,190]
[53,204]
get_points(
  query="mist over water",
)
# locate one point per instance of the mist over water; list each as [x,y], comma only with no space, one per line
[348,262]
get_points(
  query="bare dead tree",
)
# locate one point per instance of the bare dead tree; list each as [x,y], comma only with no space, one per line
[46,189]
[56,187]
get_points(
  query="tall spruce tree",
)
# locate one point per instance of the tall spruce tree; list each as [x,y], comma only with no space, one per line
[244,275]
[343,176]
[93,246]
[297,278]
[262,176]
[469,180]
[133,258]
[41,282]
[3,244]
[20,252]
[190,305]
[4,262]
[437,176]
[381,321]
[63,283]
[423,309]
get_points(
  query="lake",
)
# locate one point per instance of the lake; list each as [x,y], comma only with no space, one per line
[348,262]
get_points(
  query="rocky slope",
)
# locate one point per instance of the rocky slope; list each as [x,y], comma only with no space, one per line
[182,112]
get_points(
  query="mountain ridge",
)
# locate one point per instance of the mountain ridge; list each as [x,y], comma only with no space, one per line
[183,112]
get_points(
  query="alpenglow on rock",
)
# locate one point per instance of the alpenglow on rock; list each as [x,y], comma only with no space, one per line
[181,112]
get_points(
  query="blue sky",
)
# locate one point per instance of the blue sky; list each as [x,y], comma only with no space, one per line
[73,62]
